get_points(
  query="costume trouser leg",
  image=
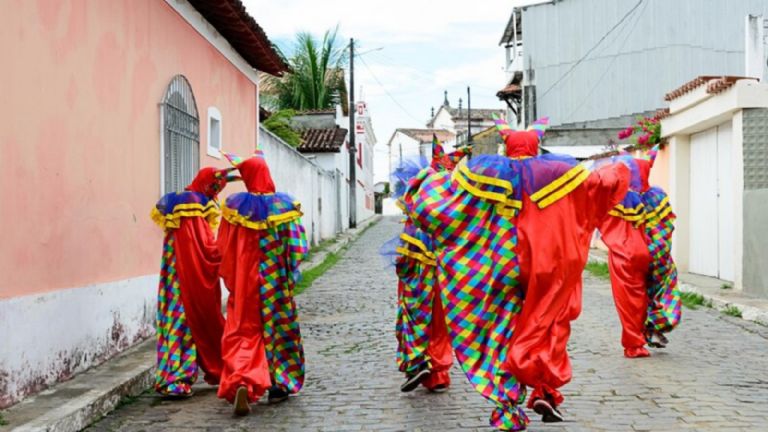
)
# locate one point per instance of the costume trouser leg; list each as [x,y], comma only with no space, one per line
[198,267]
[242,346]
[538,355]
[176,353]
[439,349]
[630,296]
[629,265]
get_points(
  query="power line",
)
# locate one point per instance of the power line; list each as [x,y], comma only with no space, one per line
[610,64]
[584,57]
[373,75]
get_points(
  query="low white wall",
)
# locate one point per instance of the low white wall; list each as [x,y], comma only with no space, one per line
[49,337]
[310,184]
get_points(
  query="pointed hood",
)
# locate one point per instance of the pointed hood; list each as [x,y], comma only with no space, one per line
[254,172]
[521,144]
[210,181]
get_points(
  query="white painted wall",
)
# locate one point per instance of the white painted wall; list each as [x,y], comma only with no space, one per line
[714,120]
[314,187]
[49,337]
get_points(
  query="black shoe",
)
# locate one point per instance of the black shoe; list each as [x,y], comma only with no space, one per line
[277,394]
[440,388]
[548,412]
[413,381]
[657,340]
[242,408]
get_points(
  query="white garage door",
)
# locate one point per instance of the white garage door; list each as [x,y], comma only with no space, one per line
[704,252]
[711,201]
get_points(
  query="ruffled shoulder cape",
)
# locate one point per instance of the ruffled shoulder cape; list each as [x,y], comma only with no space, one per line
[261,211]
[173,206]
[545,179]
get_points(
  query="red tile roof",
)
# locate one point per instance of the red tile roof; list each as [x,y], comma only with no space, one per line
[230,18]
[509,90]
[715,84]
[322,140]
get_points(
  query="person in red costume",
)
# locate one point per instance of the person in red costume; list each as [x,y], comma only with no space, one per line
[643,275]
[511,239]
[560,211]
[262,243]
[629,261]
[424,351]
[189,318]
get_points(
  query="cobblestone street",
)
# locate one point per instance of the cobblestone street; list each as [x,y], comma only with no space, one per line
[713,376]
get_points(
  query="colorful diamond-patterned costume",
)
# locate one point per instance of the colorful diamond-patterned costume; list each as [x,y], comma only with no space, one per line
[422,335]
[189,319]
[664,306]
[505,229]
[643,275]
[262,243]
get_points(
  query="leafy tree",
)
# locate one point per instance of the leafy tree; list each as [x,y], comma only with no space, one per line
[316,79]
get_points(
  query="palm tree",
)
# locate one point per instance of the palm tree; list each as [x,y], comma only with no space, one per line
[316,79]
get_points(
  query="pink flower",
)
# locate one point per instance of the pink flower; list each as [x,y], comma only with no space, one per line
[643,140]
[626,133]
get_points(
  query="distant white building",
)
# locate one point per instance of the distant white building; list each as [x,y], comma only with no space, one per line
[456,120]
[408,143]
[326,141]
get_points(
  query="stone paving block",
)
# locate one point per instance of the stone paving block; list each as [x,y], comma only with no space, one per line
[706,380]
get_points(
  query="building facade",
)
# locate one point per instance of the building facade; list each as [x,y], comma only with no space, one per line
[716,164]
[591,66]
[107,105]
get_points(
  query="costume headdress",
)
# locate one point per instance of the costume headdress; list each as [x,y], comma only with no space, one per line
[210,181]
[254,172]
[521,144]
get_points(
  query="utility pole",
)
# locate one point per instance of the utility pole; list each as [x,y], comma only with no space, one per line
[352,136]
[469,121]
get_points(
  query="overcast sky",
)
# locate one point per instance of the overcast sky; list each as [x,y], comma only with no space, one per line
[427,47]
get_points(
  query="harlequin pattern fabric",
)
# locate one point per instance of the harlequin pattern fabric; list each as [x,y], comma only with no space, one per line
[174,206]
[262,243]
[286,244]
[470,217]
[189,320]
[176,352]
[415,267]
[664,310]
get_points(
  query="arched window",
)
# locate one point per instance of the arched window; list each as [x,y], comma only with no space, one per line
[180,136]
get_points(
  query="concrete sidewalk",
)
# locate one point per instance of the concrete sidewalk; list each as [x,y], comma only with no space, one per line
[716,292]
[77,403]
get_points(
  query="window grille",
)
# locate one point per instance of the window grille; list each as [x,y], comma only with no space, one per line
[181,135]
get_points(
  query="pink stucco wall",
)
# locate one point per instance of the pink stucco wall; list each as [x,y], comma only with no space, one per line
[80,134]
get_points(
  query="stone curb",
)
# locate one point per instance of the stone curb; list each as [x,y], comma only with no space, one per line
[73,405]
[748,312]
[755,314]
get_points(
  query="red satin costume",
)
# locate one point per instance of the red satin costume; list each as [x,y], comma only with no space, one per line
[553,248]
[254,267]
[629,263]
[192,256]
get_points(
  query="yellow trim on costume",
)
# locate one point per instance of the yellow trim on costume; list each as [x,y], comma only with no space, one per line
[210,212]
[565,190]
[232,216]
[418,243]
[493,181]
[629,211]
[557,183]
[630,218]
[417,256]
[502,199]
[663,206]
